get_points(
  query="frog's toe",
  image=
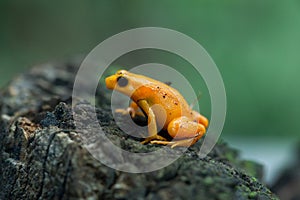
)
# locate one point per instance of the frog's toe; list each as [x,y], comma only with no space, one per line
[145,141]
[161,142]
[122,111]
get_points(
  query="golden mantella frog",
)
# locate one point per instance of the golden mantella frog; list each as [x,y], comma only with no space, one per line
[164,107]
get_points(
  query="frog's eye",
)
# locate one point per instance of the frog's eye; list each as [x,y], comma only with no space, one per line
[122,82]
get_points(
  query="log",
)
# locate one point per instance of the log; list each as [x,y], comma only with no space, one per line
[43,156]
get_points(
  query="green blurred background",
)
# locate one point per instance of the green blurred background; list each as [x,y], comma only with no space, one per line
[254,43]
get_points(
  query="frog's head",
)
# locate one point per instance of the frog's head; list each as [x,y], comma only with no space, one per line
[120,81]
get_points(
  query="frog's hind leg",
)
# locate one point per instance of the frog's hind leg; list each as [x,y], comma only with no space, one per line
[184,131]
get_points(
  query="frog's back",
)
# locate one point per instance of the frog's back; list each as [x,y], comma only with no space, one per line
[164,96]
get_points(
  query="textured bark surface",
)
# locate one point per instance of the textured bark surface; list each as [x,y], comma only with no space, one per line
[42,156]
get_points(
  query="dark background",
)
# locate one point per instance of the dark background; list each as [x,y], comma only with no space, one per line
[254,43]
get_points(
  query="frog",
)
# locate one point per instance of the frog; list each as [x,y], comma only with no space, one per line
[163,106]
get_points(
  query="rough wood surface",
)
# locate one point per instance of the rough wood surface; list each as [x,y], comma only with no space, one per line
[42,157]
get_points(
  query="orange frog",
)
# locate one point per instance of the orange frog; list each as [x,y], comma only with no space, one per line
[164,107]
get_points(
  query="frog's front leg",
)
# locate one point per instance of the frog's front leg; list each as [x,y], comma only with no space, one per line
[184,131]
[133,110]
[152,127]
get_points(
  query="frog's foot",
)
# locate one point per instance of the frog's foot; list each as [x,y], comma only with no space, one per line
[131,111]
[155,138]
[182,143]
[125,111]
[122,111]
